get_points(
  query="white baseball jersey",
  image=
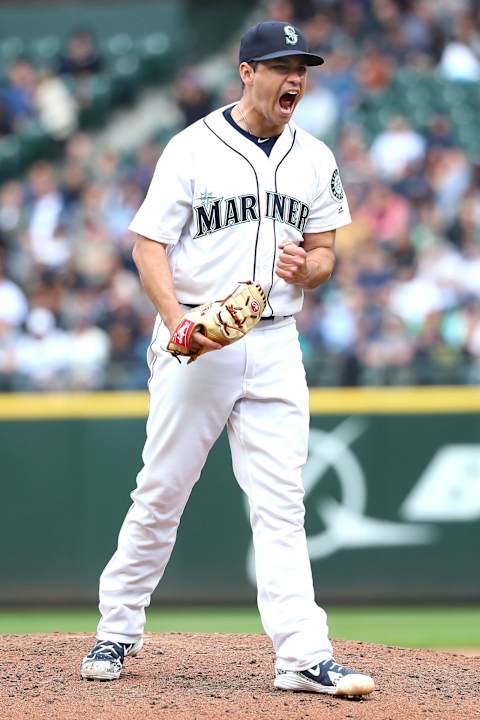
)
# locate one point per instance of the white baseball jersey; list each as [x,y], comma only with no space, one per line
[223,207]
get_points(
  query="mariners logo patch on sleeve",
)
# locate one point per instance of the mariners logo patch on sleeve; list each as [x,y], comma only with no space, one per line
[336,187]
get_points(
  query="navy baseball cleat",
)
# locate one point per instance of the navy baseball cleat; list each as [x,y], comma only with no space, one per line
[105,660]
[326,677]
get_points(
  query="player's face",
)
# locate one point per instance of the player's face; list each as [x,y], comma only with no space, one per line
[277,87]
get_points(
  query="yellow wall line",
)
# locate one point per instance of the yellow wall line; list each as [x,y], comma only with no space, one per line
[58,406]
[398,400]
[323,401]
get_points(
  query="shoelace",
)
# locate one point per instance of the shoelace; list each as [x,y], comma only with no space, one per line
[108,648]
[332,665]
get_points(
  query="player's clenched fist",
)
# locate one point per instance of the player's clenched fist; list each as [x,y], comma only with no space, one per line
[291,263]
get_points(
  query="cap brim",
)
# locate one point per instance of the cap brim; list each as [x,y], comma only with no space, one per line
[310,58]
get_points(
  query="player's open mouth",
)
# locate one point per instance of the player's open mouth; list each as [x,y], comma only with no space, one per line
[287,101]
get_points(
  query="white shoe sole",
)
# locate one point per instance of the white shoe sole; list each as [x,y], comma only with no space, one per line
[351,685]
[102,669]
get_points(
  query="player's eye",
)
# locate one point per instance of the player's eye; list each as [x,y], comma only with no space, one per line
[287,69]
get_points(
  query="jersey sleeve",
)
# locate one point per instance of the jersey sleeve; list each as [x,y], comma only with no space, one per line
[329,209]
[168,203]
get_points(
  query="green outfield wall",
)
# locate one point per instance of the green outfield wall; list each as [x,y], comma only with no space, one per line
[392,494]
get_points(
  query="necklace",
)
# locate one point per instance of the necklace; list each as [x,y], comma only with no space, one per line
[244,119]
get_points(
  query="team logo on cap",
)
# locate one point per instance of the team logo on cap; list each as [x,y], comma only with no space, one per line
[336,187]
[291,37]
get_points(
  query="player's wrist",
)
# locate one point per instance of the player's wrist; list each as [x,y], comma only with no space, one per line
[318,269]
[315,277]
[172,317]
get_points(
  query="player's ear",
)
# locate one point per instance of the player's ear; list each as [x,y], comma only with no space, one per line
[246,73]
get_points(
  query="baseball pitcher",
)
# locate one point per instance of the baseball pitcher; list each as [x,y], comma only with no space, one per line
[239,220]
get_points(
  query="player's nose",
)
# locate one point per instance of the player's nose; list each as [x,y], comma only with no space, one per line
[296,78]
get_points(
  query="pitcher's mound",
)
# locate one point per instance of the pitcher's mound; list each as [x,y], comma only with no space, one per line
[223,677]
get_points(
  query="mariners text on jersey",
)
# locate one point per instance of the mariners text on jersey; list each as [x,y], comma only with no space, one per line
[219,213]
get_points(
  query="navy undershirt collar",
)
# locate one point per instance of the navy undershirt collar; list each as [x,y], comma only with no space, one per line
[266,144]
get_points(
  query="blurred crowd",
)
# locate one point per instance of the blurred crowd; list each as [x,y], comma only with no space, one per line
[72,313]
[403,306]
[53,93]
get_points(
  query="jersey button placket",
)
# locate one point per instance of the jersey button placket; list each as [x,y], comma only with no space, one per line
[266,244]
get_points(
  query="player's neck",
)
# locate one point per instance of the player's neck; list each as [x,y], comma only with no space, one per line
[250,120]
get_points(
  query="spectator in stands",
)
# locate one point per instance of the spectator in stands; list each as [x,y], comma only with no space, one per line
[12,212]
[340,78]
[89,352]
[318,111]
[56,106]
[472,340]
[436,360]
[73,183]
[281,10]
[439,133]
[19,94]
[395,150]
[47,246]
[386,213]
[79,149]
[8,334]
[354,155]
[81,57]
[145,162]
[471,269]
[449,175]
[416,24]
[323,34]
[414,298]
[388,354]
[461,56]
[6,125]
[13,303]
[41,353]
[374,71]
[191,96]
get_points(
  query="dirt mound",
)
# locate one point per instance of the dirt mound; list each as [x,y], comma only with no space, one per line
[219,677]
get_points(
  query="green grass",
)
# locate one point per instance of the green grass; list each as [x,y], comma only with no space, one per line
[435,627]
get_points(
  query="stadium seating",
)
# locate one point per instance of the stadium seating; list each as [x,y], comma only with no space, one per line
[131,63]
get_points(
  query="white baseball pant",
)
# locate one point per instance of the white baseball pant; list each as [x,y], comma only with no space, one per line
[257,387]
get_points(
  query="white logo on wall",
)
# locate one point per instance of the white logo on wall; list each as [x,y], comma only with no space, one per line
[448,489]
[291,37]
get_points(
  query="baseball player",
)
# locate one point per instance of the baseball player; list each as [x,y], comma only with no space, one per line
[243,194]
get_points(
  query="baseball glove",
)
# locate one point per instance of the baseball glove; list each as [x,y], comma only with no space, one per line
[223,321]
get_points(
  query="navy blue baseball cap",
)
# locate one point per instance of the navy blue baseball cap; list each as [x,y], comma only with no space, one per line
[273,39]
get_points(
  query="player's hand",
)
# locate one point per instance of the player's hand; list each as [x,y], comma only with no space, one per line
[218,323]
[292,263]
[202,344]
[199,343]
